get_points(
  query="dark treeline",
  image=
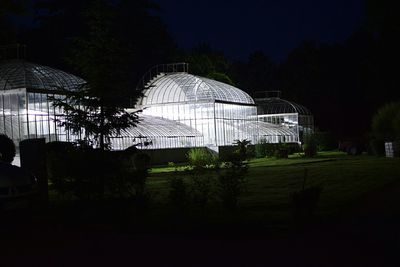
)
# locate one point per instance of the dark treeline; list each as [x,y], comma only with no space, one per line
[343,84]
[60,24]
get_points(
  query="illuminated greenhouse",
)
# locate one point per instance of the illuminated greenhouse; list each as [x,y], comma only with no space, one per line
[284,113]
[178,109]
[221,112]
[25,109]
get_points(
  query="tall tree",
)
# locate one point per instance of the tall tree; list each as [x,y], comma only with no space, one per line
[255,74]
[136,24]
[103,60]
[207,62]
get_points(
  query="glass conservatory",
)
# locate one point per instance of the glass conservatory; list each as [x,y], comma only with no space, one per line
[178,109]
[220,112]
[157,133]
[25,109]
[288,115]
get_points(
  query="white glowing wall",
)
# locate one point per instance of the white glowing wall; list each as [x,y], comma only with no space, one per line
[219,123]
[27,115]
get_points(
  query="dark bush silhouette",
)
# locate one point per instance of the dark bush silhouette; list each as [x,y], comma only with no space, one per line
[310,146]
[201,188]
[305,202]
[242,146]
[87,173]
[7,149]
[178,194]
[386,122]
[231,182]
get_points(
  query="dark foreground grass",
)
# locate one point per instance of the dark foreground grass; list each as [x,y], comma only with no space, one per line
[267,201]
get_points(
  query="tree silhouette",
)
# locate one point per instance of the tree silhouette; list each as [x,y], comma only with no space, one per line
[135,24]
[103,60]
[207,62]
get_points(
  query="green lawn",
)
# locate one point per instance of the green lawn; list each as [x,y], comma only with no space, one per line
[265,162]
[345,179]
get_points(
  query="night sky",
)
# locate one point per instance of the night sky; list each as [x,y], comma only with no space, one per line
[238,28]
[276,27]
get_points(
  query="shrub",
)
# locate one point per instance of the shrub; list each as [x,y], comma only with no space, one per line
[200,158]
[305,201]
[325,141]
[386,122]
[178,192]
[201,189]
[250,152]
[282,152]
[261,149]
[310,146]
[95,174]
[270,150]
[7,149]
[232,182]
[134,167]
[242,147]
[376,147]
[59,166]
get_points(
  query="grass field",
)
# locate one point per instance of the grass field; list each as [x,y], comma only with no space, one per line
[345,179]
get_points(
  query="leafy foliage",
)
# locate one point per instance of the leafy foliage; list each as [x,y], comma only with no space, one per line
[100,57]
[87,117]
[206,62]
[260,149]
[325,141]
[95,174]
[310,146]
[221,77]
[386,122]
[201,188]
[178,194]
[200,158]
[242,147]
[232,182]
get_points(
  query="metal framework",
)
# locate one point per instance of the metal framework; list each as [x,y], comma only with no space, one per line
[220,112]
[155,133]
[19,74]
[25,109]
[179,109]
[289,115]
[184,87]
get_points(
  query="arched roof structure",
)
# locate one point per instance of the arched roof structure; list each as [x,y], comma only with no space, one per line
[20,74]
[183,87]
[269,129]
[151,126]
[276,105]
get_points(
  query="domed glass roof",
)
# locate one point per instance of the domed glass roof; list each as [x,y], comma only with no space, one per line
[276,105]
[19,74]
[151,126]
[184,87]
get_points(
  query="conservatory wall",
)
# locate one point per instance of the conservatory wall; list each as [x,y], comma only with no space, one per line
[306,124]
[219,123]
[28,115]
[289,121]
[179,110]
[156,133]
